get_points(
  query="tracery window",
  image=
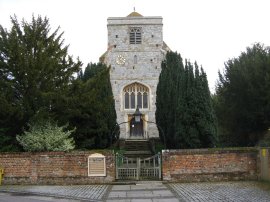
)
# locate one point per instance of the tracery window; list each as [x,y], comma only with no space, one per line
[135,35]
[136,95]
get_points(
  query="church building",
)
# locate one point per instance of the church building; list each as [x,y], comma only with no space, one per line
[135,52]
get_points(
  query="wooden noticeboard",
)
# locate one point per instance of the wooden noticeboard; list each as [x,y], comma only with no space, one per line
[96,165]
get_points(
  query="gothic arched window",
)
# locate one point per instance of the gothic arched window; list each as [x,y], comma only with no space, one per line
[135,35]
[145,100]
[132,100]
[126,100]
[136,95]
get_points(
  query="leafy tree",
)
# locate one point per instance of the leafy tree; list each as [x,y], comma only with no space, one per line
[242,99]
[46,136]
[35,71]
[184,105]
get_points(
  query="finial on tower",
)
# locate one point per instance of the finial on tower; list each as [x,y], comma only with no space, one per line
[133,14]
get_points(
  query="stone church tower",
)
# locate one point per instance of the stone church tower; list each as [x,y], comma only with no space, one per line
[135,52]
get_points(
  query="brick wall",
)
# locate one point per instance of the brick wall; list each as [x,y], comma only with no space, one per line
[177,165]
[209,164]
[53,168]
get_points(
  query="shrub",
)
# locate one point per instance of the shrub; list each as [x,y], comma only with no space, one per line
[46,136]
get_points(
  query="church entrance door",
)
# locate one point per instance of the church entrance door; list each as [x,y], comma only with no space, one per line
[136,128]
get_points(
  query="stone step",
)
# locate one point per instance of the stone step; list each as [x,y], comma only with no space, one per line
[138,154]
[137,149]
[137,145]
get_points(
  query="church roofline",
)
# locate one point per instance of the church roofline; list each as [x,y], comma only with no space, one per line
[131,18]
[153,20]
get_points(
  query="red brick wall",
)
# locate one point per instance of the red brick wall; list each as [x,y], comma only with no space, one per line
[53,168]
[209,164]
[177,165]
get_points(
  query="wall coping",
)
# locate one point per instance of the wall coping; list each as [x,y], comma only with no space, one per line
[212,150]
[56,153]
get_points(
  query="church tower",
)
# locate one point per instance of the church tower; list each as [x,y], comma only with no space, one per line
[135,52]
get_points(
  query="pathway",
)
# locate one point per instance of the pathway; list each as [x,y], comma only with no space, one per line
[153,192]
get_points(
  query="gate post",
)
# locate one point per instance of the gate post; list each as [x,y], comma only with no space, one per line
[1,175]
[159,165]
[138,168]
[116,166]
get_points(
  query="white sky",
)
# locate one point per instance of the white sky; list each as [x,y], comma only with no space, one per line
[208,31]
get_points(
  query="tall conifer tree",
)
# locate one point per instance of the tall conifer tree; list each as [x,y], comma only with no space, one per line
[35,71]
[184,105]
[90,108]
[242,98]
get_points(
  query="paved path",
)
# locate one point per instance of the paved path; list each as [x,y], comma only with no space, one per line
[222,191]
[153,191]
[79,192]
[142,191]
[17,197]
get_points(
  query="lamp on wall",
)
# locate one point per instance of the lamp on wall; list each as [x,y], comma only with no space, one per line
[137,115]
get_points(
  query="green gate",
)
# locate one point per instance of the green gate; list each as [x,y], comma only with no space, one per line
[138,168]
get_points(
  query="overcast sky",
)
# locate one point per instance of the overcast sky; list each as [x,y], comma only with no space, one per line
[208,31]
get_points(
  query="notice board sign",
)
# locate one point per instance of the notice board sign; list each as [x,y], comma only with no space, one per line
[96,165]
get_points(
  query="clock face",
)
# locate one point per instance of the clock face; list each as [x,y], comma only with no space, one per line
[120,60]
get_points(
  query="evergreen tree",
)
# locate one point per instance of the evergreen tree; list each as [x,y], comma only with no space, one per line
[206,123]
[167,96]
[35,71]
[184,105]
[91,70]
[188,114]
[242,97]
[90,108]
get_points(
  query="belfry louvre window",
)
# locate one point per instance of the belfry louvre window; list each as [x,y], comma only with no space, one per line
[136,95]
[135,35]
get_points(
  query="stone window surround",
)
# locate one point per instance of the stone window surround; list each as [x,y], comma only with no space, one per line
[135,35]
[135,88]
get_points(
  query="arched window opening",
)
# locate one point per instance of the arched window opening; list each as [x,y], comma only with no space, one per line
[145,100]
[136,95]
[132,100]
[139,100]
[126,101]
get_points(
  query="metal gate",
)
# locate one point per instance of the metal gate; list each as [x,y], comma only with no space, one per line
[138,168]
